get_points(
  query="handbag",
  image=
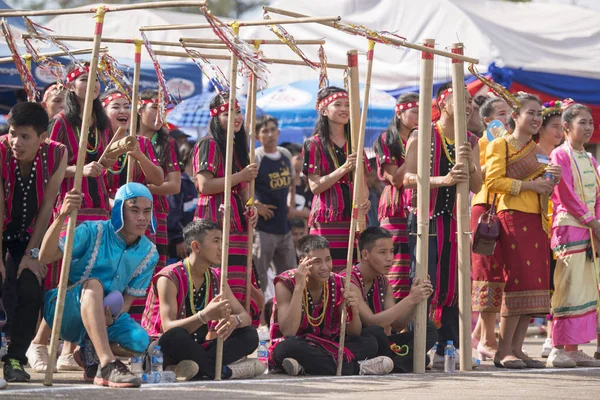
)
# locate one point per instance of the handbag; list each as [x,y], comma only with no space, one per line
[487,231]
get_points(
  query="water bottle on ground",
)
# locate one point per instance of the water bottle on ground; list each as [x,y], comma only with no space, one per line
[157,359]
[450,357]
[262,353]
[159,377]
[137,364]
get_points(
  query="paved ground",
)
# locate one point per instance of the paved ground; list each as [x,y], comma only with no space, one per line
[486,382]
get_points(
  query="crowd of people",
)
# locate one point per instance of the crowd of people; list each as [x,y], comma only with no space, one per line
[147,248]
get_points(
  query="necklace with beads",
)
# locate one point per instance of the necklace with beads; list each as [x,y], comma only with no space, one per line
[206,285]
[316,321]
[332,152]
[91,149]
[446,142]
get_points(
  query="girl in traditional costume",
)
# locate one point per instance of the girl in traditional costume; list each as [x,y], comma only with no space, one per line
[390,150]
[209,176]
[328,166]
[516,172]
[575,238]
[446,173]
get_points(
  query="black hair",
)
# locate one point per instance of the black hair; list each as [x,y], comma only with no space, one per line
[522,97]
[197,230]
[293,148]
[29,114]
[487,108]
[240,140]
[185,154]
[322,125]
[392,135]
[73,109]
[310,243]
[162,136]
[297,223]
[571,112]
[371,235]
[479,100]
[263,120]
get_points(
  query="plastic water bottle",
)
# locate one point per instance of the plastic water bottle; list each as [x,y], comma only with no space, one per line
[3,346]
[137,362]
[262,353]
[159,377]
[157,359]
[450,357]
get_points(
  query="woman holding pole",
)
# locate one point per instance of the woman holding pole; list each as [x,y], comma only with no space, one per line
[209,173]
[152,128]
[64,128]
[446,173]
[328,166]
[522,177]
[390,150]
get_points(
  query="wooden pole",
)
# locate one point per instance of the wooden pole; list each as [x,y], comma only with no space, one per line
[137,59]
[395,41]
[215,46]
[463,220]
[81,153]
[353,94]
[5,60]
[262,22]
[83,10]
[226,57]
[251,127]
[252,41]
[227,200]
[423,194]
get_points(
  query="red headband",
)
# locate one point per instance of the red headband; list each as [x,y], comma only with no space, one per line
[76,73]
[56,86]
[222,108]
[148,101]
[114,96]
[330,99]
[405,106]
[444,95]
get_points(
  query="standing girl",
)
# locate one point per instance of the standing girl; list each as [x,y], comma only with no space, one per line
[390,150]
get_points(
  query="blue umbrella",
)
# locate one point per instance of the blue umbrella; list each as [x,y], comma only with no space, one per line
[293,105]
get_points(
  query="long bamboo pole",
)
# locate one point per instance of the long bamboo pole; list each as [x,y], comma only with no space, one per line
[227,200]
[137,66]
[251,128]
[252,41]
[81,153]
[226,57]
[129,41]
[395,41]
[262,22]
[354,98]
[5,60]
[462,205]
[423,194]
[93,10]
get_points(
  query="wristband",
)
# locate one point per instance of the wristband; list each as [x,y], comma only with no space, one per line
[200,318]
[239,320]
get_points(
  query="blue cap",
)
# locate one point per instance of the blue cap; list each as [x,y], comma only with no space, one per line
[127,192]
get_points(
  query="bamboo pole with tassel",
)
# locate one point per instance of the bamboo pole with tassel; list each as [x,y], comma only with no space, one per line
[462,206]
[133,120]
[227,198]
[251,127]
[423,195]
[77,182]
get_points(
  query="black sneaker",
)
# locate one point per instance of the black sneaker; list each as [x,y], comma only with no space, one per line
[116,375]
[14,372]
[90,369]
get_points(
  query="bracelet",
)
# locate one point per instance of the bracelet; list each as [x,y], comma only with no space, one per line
[239,320]
[200,318]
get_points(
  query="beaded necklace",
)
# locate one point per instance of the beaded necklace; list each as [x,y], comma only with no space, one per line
[446,143]
[316,321]
[331,150]
[91,149]
[122,161]
[206,286]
